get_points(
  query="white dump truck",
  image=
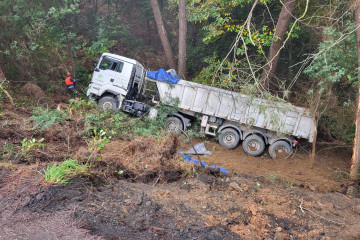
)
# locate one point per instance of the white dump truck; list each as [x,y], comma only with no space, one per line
[121,83]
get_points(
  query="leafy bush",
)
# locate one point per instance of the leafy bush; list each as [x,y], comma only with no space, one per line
[97,143]
[81,107]
[119,124]
[45,118]
[63,172]
[146,127]
[29,145]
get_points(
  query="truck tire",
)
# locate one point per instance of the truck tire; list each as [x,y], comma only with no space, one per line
[253,145]
[174,124]
[108,103]
[280,149]
[229,138]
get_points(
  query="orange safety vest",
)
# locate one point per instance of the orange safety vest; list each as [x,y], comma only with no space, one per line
[68,81]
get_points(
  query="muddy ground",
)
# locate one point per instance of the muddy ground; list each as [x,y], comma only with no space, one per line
[158,196]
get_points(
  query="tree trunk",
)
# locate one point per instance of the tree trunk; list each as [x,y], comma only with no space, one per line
[182,39]
[2,76]
[355,167]
[281,27]
[162,33]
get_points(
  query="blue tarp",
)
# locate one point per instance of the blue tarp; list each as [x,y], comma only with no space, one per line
[195,161]
[163,76]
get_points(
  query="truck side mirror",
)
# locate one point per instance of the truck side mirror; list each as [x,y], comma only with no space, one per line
[97,70]
[95,63]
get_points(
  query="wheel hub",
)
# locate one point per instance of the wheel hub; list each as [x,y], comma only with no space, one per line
[254,146]
[229,139]
[280,150]
[107,105]
[173,126]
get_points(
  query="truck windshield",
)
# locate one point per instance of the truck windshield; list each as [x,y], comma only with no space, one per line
[108,64]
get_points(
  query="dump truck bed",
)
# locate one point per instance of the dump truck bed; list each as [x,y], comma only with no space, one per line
[280,117]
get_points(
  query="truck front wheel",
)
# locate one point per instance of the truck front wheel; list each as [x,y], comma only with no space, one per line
[280,149]
[229,138]
[253,145]
[174,124]
[108,103]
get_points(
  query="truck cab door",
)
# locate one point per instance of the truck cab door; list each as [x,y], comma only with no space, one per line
[122,74]
[104,72]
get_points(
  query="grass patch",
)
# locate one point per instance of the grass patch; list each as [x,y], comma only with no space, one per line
[45,118]
[63,172]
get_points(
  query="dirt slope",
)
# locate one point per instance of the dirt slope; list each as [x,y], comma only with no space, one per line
[203,207]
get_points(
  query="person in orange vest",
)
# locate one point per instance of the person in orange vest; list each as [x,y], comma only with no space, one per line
[70,85]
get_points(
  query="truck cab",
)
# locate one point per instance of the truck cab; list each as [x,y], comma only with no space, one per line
[115,79]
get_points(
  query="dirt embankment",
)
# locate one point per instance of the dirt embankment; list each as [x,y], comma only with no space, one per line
[203,207]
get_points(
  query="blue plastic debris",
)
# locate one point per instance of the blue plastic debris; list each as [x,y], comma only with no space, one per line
[163,76]
[195,161]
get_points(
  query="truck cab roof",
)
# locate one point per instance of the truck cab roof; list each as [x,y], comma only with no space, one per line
[118,57]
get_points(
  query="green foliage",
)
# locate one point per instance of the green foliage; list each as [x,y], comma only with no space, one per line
[45,118]
[33,35]
[83,74]
[81,107]
[121,125]
[111,31]
[7,150]
[222,17]
[340,126]
[335,60]
[155,126]
[217,14]
[218,73]
[28,146]
[291,184]
[63,172]
[148,127]
[335,72]
[97,143]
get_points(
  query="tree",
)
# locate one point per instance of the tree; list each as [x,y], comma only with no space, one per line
[182,39]
[33,45]
[355,167]
[162,33]
[279,35]
[333,75]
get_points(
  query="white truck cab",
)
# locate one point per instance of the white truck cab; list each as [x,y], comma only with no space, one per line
[115,79]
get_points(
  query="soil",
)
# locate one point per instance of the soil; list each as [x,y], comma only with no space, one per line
[32,89]
[142,189]
[327,174]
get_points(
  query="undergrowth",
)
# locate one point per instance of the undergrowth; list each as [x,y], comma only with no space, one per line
[121,125]
[63,172]
[45,118]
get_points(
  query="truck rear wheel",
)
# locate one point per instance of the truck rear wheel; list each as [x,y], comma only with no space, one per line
[253,145]
[174,124]
[229,138]
[280,149]
[108,103]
